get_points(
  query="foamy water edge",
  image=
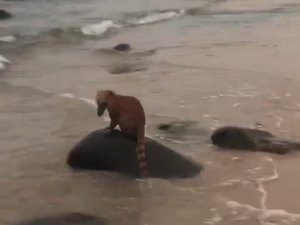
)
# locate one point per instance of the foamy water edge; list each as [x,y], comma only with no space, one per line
[264,215]
[3,62]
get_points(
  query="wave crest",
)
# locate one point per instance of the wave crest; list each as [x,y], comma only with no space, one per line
[99,28]
[8,39]
[159,16]
[3,62]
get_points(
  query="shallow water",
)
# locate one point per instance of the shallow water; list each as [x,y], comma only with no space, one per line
[213,62]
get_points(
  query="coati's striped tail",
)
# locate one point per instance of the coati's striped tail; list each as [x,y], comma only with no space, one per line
[141,153]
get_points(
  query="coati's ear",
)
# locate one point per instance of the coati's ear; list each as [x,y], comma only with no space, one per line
[100,97]
[110,93]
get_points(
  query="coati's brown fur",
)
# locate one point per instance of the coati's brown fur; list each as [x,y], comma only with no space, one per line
[128,113]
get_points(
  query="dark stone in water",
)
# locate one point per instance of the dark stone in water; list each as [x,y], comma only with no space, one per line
[183,131]
[196,11]
[164,126]
[4,14]
[122,47]
[113,151]
[252,139]
[120,68]
[177,127]
[66,219]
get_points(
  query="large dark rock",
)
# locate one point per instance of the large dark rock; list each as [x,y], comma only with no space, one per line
[252,139]
[66,219]
[112,151]
[4,14]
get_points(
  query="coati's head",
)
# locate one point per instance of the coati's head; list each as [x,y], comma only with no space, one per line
[102,97]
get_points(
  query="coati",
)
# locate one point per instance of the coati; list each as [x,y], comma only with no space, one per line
[128,113]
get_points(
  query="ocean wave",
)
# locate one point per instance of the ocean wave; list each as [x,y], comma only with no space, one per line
[67,95]
[158,17]
[90,102]
[202,11]
[8,39]
[94,30]
[99,28]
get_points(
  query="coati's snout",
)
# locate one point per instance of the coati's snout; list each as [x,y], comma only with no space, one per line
[101,108]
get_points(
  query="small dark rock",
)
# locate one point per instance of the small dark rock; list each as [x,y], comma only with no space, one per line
[176,127]
[197,11]
[74,218]
[122,47]
[164,126]
[113,151]
[120,68]
[4,14]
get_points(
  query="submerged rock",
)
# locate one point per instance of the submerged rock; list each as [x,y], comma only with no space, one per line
[176,127]
[120,59]
[4,14]
[113,151]
[252,139]
[121,68]
[120,62]
[122,47]
[183,131]
[65,219]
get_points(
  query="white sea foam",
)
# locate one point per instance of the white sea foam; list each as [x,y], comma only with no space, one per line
[214,220]
[3,59]
[99,28]
[145,184]
[7,39]
[157,17]
[91,102]
[262,180]
[254,170]
[3,62]
[88,101]
[279,121]
[44,91]
[264,215]
[67,95]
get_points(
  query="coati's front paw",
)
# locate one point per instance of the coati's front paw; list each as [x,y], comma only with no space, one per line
[109,128]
